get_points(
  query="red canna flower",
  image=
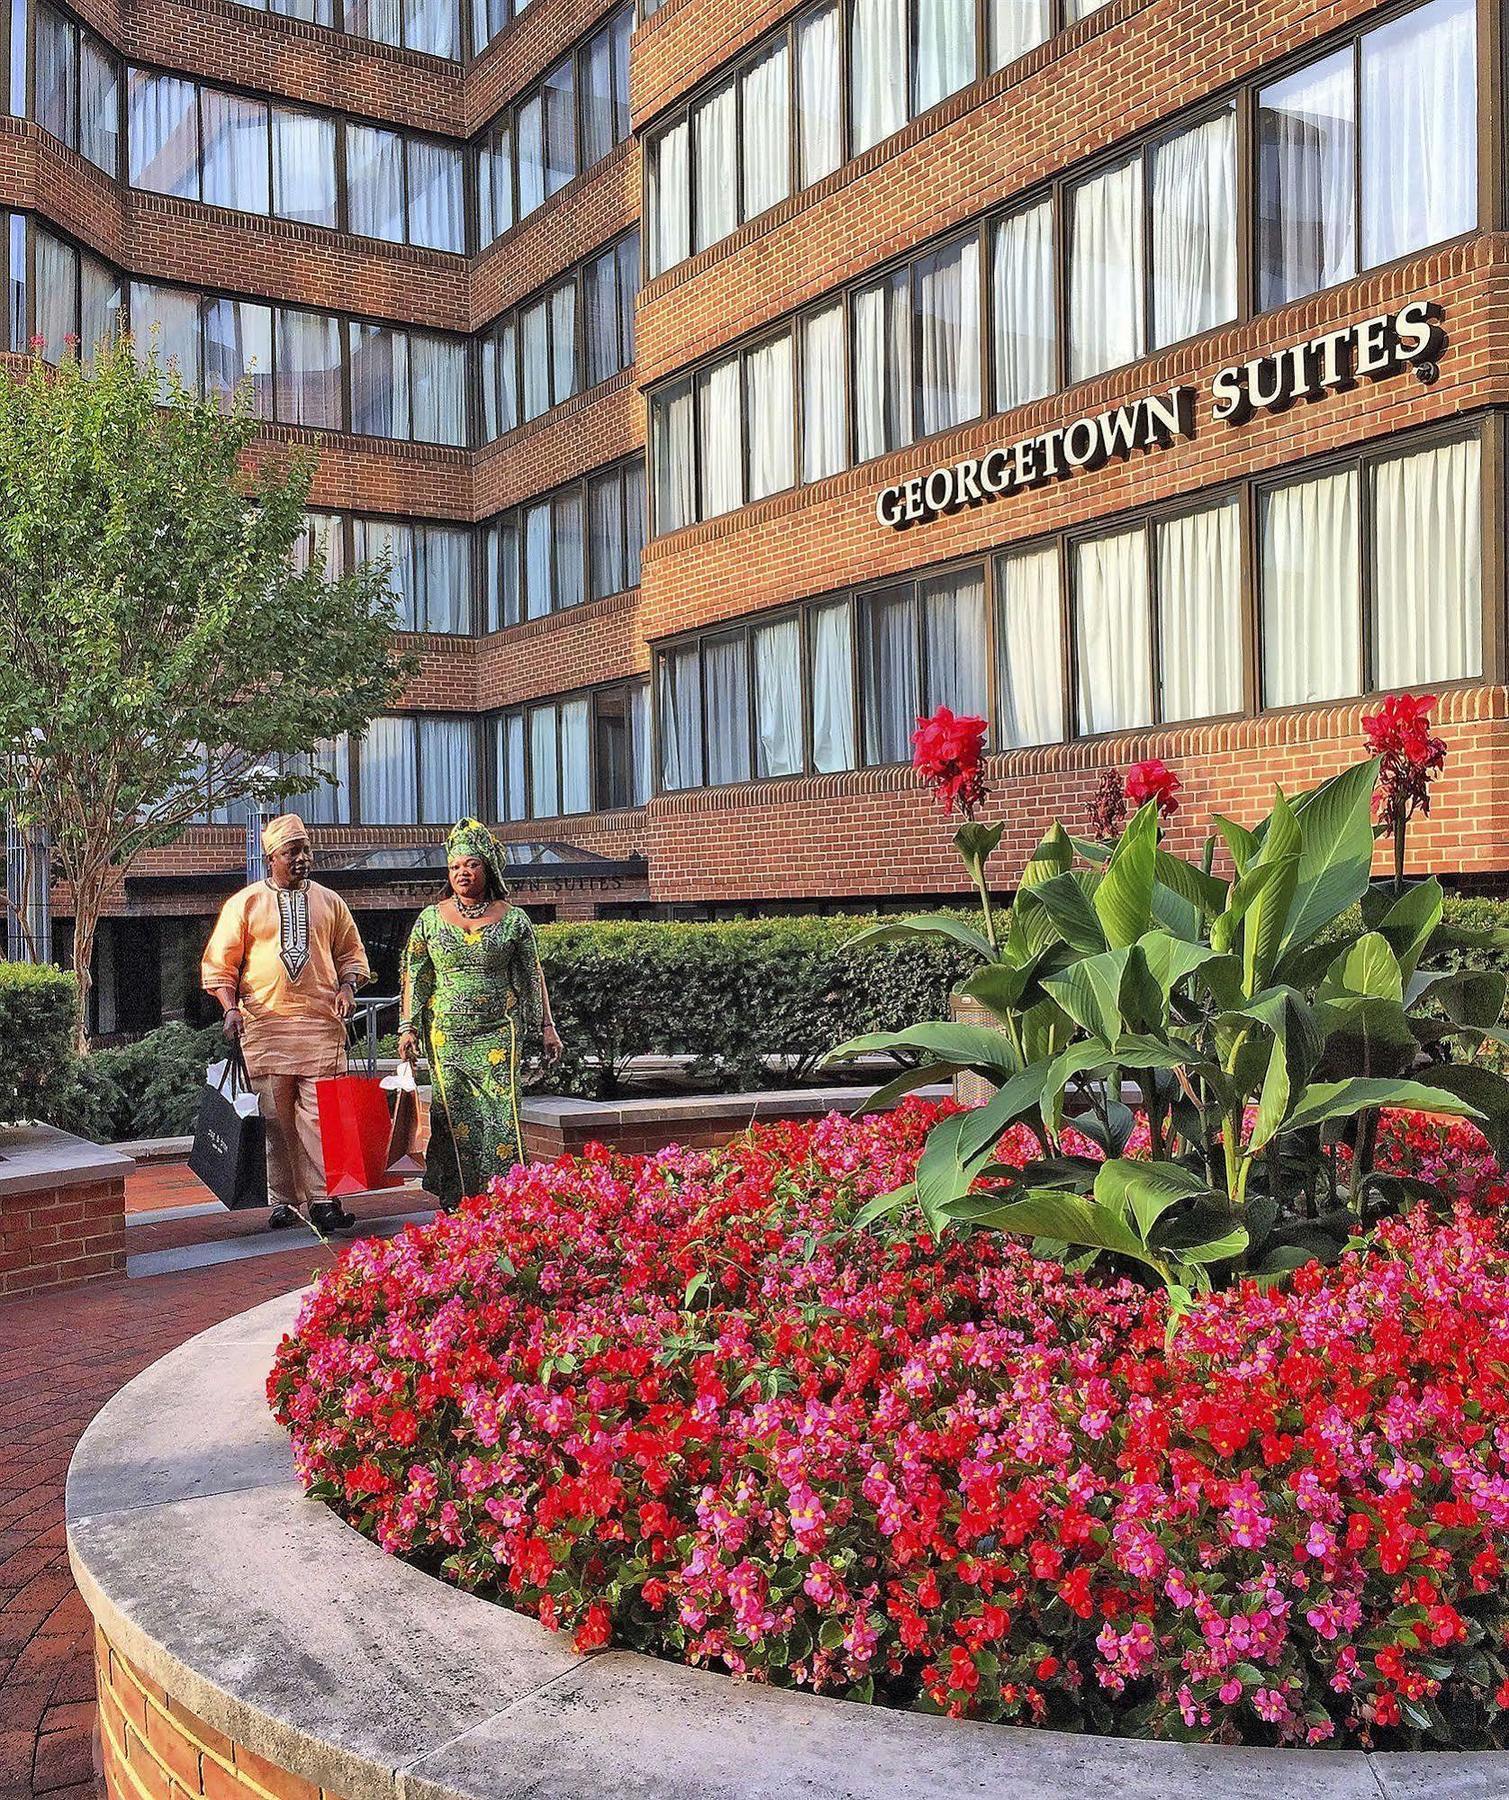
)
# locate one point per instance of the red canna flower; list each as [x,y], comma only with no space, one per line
[946,753]
[1153,780]
[1411,757]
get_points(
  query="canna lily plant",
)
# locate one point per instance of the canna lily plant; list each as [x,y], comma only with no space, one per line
[1261,1048]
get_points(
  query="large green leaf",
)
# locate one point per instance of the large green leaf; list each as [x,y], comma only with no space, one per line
[968,1046]
[1408,922]
[1265,912]
[1292,1025]
[1072,1219]
[1065,902]
[1241,844]
[1171,960]
[1471,998]
[1336,831]
[1325,1100]
[1124,900]
[1367,967]
[1000,986]
[977,842]
[1206,893]
[1146,1189]
[941,1174]
[919,1075]
[1486,1093]
[1093,990]
[1053,856]
[924,925]
[1217,1249]
[1012,1101]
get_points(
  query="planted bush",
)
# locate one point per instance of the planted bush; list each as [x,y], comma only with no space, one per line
[37,1006]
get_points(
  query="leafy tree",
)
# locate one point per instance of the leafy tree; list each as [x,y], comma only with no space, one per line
[159,647]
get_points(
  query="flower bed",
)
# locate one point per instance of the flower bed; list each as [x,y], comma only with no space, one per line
[678,1403]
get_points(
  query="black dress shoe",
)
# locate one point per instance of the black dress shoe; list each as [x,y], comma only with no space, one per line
[329,1216]
[281,1217]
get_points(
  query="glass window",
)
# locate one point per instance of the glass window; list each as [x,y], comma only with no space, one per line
[238,351]
[495,183]
[1200,612]
[778,698]
[883,366]
[832,652]
[769,405]
[437,382]
[1307,137]
[236,170]
[715,209]
[570,549]
[99,105]
[636,521]
[1015,27]
[1427,566]
[1105,271]
[55,75]
[878,31]
[308,369]
[605,506]
[825,436]
[1112,631]
[538,582]
[602,317]
[720,438]
[433,26]
[510,769]
[529,130]
[1194,179]
[164,134]
[891,676]
[562,342]
[544,765]
[447,771]
[947,297]
[437,217]
[725,686]
[388,773]
[445,560]
[945,43]
[640,746]
[576,763]
[167,320]
[679,699]
[1311,591]
[766,112]
[99,304]
[303,167]
[1419,130]
[500,571]
[956,643]
[671,440]
[1023,306]
[819,93]
[500,402]
[379,381]
[613,749]
[391,542]
[670,198]
[1029,649]
[605,88]
[534,343]
[560,126]
[57,307]
[374,182]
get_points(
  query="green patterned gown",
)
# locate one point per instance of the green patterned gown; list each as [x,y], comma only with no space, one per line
[474,997]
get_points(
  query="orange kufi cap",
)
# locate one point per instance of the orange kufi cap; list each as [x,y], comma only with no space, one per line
[282,830]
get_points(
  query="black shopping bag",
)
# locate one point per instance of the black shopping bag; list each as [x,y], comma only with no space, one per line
[230,1145]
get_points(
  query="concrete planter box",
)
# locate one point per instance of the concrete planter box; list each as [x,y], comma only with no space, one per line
[250,1643]
[62,1210]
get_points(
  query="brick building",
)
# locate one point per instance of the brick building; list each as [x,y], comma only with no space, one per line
[732,383]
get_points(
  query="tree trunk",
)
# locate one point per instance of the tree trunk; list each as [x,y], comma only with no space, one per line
[88,899]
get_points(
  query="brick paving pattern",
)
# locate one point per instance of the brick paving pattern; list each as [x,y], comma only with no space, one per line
[62,1356]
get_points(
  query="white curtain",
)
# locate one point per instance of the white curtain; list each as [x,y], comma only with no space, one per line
[1200,612]
[636,521]
[1311,586]
[670,221]
[437,368]
[1075,10]
[55,59]
[375,19]
[534,355]
[948,301]
[495,183]
[715,148]
[955,640]
[531,134]
[945,50]
[500,381]
[820,142]
[771,426]
[562,342]
[1307,138]
[308,348]
[1112,632]
[778,698]
[235,162]
[433,26]
[379,381]
[606,536]
[538,586]
[379,539]
[877,73]
[237,349]
[721,436]
[824,433]
[1025,332]
[600,327]
[303,167]
[447,771]
[833,687]
[890,676]
[679,698]
[1105,273]
[675,472]
[883,366]
[576,768]
[99,318]
[447,565]
[1427,562]
[1419,130]
[1015,26]
[1195,229]
[513,792]
[569,550]
[544,775]
[500,552]
[725,677]
[163,135]
[55,311]
[560,126]
[641,767]
[374,182]
[1029,648]
[767,130]
[99,117]
[168,318]
[437,206]
[388,786]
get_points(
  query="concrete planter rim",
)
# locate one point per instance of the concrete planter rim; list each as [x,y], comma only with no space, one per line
[258,1609]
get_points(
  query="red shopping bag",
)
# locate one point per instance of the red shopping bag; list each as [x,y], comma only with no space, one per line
[354,1128]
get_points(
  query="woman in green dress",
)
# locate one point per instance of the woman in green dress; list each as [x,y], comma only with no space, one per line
[473,992]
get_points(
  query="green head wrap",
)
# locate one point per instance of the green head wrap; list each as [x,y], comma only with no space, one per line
[472,838]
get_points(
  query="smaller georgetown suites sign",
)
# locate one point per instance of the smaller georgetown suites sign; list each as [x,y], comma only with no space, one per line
[1370,350]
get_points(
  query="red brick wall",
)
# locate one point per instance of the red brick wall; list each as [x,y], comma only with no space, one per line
[55,1237]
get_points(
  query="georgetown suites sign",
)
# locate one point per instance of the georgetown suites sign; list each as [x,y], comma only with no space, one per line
[1372,350]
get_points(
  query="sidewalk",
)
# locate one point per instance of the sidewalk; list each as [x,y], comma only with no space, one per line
[61,1358]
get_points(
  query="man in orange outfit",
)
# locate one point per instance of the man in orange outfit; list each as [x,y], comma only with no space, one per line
[284,961]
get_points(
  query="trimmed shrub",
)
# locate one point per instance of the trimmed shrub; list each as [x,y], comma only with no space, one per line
[147,1089]
[36,1039]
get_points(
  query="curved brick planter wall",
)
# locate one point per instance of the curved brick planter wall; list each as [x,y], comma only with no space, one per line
[250,1644]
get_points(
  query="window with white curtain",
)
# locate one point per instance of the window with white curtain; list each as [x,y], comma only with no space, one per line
[678,700]
[374,182]
[1016,26]
[1199,582]
[947,298]
[162,130]
[882,315]
[768,402]
[819,88]
[437,383]
[778,697]
[878,32]
[673,455]
[494,168]
[388,773]
[558,93]
[55,75]
[437,216]
[1306,198]
[303,167]
[329,762]
[616,528]
[75,86]
[433,26]
[825,431]
[167,320]
[715,161]
[379,380]
[603,78]
[391,541]
[1311,590]
[955,643]
[55,310]
[236,170]
[99,304]
[99,104]
[1024,309]
[498,372]
[834,743]
[765,112]
[670,197]
[576,760]
[511,767]
[725,689]
[609,284]
[544,763]
[447,771]
[307,346]
[238,351]
[1106,302]
[1029,649]
[890,674]
[1427,565]
[720,438]
[1112,631]
[944,46]
[1194,205]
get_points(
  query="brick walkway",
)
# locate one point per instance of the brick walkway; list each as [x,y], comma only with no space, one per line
[62,1356]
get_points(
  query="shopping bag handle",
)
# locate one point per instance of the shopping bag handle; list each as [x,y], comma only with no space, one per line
[234,1067]
[357,1034]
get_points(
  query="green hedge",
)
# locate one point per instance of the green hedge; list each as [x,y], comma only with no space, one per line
[36,1039]
[731,995]
[145,1089]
